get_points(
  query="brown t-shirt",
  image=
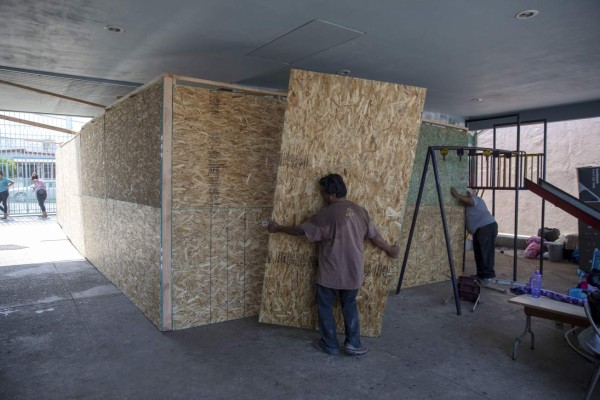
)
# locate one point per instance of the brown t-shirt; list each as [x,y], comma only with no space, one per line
[341,229]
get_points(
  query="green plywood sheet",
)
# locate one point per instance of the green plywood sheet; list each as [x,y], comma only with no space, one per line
[452,171]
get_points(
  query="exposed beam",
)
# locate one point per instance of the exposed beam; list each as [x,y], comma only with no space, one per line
[89,103]
[37,124]
[233,86]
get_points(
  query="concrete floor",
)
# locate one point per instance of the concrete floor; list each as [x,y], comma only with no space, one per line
[67,333]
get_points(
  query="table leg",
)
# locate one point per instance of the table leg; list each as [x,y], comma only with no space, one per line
[522,336]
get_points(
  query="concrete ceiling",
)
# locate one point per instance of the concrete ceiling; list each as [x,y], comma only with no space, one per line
[459,50]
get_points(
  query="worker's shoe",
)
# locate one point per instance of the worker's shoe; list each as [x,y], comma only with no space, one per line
[354,351]
[5,216]
[319,346]
[44,214]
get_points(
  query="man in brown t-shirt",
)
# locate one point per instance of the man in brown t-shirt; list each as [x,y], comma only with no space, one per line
[340,229]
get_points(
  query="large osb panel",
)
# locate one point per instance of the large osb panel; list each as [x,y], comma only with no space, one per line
[428,258]
[365,130]
[132,145]
[218,264]
[132,258]
[225,155]
[93,158]
[452,169]
[225,147]
[95,227]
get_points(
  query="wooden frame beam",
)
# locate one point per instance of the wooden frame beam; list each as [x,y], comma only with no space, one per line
[37,124]
[89,103]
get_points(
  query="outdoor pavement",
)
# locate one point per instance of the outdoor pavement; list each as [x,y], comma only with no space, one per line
[67,333]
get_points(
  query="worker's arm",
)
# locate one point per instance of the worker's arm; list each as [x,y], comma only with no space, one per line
[468,200]
[295,230]
[380,242]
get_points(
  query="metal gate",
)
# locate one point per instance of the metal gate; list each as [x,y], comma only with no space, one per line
[25,149]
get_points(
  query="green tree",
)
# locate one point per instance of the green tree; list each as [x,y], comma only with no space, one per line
[8,167]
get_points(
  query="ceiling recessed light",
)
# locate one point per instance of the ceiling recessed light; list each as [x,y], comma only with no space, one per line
[527,14]
[477,100]
[114,28]
[344,72]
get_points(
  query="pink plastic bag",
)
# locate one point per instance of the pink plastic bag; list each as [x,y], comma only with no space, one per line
[533,247]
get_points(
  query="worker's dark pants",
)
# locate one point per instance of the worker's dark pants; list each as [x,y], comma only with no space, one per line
[484,244]
[325,300]
[4,201]
[41,198]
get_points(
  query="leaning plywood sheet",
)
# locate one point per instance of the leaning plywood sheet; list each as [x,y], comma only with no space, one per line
[132,144]
[225,154]
[132,258]
[428,258]
[366,131]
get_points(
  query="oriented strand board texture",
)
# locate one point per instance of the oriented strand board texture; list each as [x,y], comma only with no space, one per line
[365,130]
[225,148]
[95,229]
[93,158]
[108,175]
[428,257]
[132,148]
[225,155]
[132,258]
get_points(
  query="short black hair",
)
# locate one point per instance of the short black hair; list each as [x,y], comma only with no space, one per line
[334,184]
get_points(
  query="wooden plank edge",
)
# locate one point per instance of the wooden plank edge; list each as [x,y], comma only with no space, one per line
[431,122]
[166,306]
[181,80]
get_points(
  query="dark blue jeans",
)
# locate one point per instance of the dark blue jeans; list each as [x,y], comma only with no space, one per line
[325,300]
[484,242]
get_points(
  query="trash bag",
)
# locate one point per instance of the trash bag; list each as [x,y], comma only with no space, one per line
[549,234]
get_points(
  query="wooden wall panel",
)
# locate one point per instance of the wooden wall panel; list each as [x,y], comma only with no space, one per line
[256,239]
[132,144]
[225,148]
[428,258]
[367,131]
[225,154]
[132,260]
[191,268]
[95,227]
[93,170]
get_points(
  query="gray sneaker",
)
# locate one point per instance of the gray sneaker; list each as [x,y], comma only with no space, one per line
[353,351]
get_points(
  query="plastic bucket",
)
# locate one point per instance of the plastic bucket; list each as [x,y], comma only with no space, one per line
[555,251]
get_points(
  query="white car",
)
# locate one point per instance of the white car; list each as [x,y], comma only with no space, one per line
[26,193]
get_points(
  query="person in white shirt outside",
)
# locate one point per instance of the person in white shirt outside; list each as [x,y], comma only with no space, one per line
[39,187]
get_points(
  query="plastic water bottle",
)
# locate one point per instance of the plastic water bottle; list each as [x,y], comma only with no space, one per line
[536,284]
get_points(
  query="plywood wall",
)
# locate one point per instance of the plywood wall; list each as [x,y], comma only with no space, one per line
[132,148]
[109,195]
[428,257]
[367,131]
[68,183]
[225,153]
